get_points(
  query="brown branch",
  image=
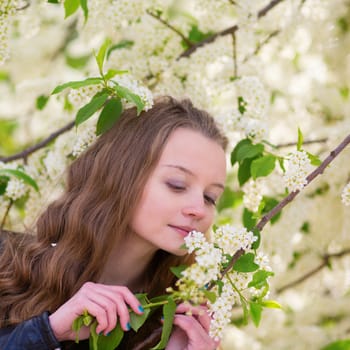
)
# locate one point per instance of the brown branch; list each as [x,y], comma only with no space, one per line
[267,217]
[25,153]
[318,171]
[325,262]
[235,65]
[260,45]
[26,5]
[308,142]
[226,31]
[6,214]
[168,25]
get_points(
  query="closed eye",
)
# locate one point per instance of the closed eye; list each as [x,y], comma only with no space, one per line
[210,200]
[176,186]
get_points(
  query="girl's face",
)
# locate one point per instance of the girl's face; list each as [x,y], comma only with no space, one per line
[181,192]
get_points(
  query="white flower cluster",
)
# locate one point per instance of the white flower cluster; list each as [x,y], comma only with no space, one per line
[252,195]
[7,10]
[210,257]
[255,102]
[231,239]
[81,96]
[298,166]
[145,94]
[84,140]
[345,196]
[15,189]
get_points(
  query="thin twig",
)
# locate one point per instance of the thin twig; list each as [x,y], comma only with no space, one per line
[308,142]
[158,18]
[260,45]
[325,262]
[25,153]
[234,53]
[6,214]
[226,31]
[319,170]
[267,217]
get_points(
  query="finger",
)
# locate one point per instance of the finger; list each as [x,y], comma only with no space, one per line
[199,312]
[196,334]
[127,295]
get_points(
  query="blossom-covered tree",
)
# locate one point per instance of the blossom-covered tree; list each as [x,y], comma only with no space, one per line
[274,73]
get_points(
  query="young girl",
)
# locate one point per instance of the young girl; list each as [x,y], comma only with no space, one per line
[130,200]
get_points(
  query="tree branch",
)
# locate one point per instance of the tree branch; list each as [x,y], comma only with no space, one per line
[325,262]
[25,153]
[226,31]
[168,25]
[333,154]
[6,214]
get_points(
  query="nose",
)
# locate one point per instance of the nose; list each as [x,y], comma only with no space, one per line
[195,209]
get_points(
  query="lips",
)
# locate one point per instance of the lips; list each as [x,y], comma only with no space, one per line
[182,230]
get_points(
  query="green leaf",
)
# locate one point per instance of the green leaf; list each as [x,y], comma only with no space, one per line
[109,115]
[177,270]
[123,44]
[211,296]
[256,233]
[76,326]
[239,145]
[53,1]
[84,6]
[255,312]
[343,344]
[136,320]
[242,105]
[259,279]
[229,199]
[262,166]
[76,84]
[41,102]
[77,62]
[300,140]
[244,173]
[113,72]
[270,203]
[249,151]
[195,35]
[20,175]
[101,55]
[249,221]
[271,304]
[111,341]
[125,93]
[70,7]
[89,109]
[168,312]
[246,263]
[314,159]
[93,340]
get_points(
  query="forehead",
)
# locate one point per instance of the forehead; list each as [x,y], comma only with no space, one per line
[195,152]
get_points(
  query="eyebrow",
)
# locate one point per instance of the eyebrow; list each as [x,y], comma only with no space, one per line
[189,172]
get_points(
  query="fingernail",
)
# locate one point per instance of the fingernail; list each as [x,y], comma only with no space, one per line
[128,326]
[109,333]
[141,309]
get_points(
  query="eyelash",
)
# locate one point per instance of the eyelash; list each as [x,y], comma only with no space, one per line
[179,188]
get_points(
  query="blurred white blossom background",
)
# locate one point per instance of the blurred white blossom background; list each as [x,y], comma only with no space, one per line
[288,61]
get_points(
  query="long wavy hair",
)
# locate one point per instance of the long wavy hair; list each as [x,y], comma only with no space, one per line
[102,190]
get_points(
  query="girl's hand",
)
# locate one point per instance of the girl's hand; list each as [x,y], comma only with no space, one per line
[109,304]
[191,329]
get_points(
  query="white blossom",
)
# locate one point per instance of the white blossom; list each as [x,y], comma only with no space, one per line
[252,195]
[345,195]
[298,166]
[83,141]
[15,189]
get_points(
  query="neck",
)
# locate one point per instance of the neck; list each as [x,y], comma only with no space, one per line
[127,263]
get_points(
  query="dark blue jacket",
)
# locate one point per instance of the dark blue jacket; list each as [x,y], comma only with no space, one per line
[35,334]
